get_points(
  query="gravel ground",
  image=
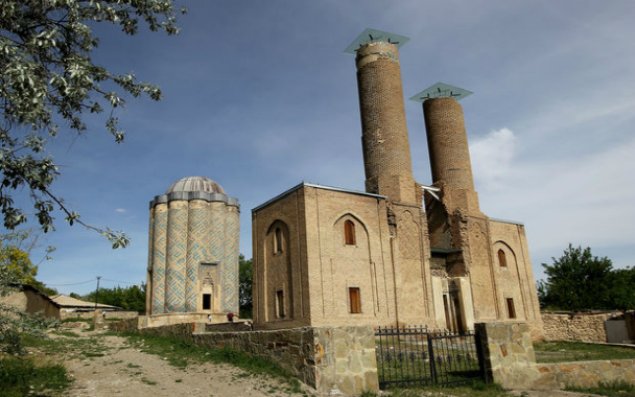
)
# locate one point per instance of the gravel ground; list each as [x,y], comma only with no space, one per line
[120,369]
[123,370]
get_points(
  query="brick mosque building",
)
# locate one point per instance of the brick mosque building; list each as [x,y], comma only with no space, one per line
[401,252]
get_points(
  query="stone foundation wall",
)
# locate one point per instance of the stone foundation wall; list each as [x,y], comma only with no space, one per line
[510,361]
[168,319]
[333,360]
[345,360]
[582,327]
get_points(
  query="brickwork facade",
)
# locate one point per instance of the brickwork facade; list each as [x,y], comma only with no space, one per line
[408,261]
[474,244]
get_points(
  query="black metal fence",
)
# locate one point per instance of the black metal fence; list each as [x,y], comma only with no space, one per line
[417,356]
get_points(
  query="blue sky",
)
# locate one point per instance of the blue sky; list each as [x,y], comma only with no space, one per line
[259,95]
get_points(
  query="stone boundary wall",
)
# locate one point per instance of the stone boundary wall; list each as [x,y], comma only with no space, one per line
[123,315]
[511,362]
[584,373]
[238,326]
[572,326]
[333,360]
[129,325]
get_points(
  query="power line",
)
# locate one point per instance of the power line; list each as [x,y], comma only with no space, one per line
[61,285]
[124,282]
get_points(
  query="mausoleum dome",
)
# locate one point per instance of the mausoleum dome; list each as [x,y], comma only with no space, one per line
[195,184]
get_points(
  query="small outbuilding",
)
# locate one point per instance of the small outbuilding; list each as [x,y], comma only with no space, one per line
[29,299]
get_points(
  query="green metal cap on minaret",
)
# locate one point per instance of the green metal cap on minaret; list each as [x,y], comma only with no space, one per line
[441,90]
[374,35]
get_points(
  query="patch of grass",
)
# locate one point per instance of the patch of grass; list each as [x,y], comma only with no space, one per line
[71,348]
[148,381]
[553,352]
[21,377]
[93,354]
[180,353]
[610,389]
[69,334]
[77,320]
[131,365]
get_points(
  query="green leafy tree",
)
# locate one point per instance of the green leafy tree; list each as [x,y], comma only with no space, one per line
[128,298]
[15,260]
[17,268]
[577,281]
[17,263]
[245,282]
[622,289]
[49,83]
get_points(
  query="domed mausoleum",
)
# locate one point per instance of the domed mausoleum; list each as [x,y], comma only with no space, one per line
[193,253]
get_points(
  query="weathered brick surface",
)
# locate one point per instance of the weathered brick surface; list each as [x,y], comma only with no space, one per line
[447,143]
[384,132]
[325,267]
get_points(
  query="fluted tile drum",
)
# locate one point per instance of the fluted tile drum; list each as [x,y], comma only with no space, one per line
[193,264]
[159,215]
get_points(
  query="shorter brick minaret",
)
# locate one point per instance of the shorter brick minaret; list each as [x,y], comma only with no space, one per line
[448,147]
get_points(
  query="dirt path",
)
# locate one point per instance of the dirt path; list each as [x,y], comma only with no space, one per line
[119,369]
[106,365]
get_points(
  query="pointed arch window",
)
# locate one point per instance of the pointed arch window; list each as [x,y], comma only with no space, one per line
[277,241]
[349,232]
[502,258]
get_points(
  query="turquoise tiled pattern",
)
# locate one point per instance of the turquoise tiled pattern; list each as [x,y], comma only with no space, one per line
[176,259]
[181,238]
[198,234]
[230,266]
[158,259]
[217,237]
[149,268]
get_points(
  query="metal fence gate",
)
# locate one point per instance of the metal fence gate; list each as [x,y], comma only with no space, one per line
[416,356]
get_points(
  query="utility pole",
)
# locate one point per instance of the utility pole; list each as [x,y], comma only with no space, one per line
[97,291]
[97,313]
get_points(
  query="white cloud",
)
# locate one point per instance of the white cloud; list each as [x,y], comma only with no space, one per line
[492,157]
[579,199]
[120,210]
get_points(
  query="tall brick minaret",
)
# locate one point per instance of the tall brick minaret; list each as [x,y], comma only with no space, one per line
[384,133]
[389,172]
